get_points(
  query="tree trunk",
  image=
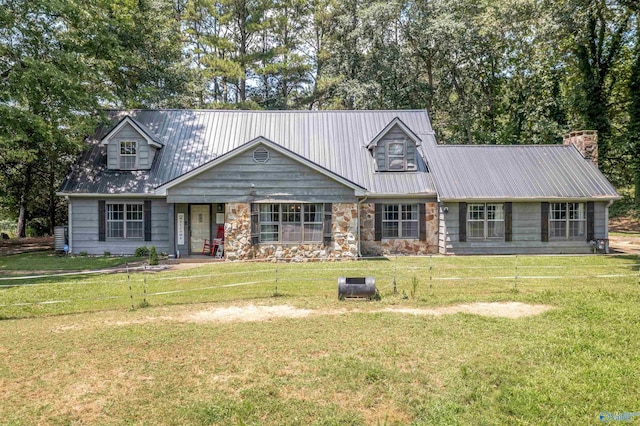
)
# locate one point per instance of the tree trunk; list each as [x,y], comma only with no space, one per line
[52,199]
[22,216]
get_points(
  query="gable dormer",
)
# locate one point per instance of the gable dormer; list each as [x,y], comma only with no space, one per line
[130,146]
[394,149]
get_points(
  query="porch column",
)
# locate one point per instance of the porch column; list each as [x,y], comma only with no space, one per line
[172,229]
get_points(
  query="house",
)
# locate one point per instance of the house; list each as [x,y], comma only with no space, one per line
[326,184]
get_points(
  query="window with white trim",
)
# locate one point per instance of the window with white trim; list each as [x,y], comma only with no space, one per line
[396,155]
[400,221]
[485,221]
[128,155]
[567,220]
[125,221]
[291,223]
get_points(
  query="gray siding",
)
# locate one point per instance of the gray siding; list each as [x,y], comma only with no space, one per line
[395,134]
[84,228]
[146,153]
[280,178]
[526,234]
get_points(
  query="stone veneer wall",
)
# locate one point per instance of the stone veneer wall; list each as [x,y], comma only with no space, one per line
[238,237]
[370,247]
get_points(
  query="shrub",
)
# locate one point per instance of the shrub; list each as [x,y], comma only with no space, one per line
[84,254]
[141,251]
[107,254]
[153,256]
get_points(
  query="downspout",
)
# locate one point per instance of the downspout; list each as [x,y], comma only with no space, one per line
[70,223]
[358,224]
[606,219]
[606,224]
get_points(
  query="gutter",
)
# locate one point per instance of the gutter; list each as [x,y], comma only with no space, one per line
[358,230]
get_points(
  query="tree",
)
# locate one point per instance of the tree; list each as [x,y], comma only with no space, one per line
[45,94]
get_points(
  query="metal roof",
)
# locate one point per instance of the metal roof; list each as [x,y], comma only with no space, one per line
[515,172]
[337,141]
[334,140]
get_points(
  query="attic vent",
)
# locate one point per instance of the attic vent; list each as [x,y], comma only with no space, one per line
[260,155]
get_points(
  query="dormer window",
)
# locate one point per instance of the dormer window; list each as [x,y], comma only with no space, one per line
[128,155]
[396,156]
[394,149]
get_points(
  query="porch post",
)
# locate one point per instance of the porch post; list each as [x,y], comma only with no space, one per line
[172,229]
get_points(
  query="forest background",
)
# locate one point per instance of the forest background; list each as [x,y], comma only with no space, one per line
[487,71]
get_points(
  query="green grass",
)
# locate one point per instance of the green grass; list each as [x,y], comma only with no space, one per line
[48,261]
[357,364]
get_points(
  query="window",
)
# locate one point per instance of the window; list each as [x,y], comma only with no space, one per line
[567,220]
[400,221]
[290,223]
[125,221]
[128,155]
[485,221]
[396,156]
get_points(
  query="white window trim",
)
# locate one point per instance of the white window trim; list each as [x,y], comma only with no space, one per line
[121,155]
[400,221]
[388,155]
[124,221]
[302,222]
[485,221]
[567,220]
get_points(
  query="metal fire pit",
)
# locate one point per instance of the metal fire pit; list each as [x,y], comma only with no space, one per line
[356,287]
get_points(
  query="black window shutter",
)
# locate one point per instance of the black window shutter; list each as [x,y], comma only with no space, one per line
[328,209]
[591,222]
[147,220]
[462,219]
[508,230]
[102,220]
[255,223]
[378,223]
[544,221]
[422,211]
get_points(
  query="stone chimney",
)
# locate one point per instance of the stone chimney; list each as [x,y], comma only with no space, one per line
[587,143]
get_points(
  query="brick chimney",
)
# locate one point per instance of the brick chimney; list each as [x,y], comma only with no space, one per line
[587,143]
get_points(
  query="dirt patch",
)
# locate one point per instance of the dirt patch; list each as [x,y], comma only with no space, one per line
[25,245]
[258,313]
[249,313]
[262,313]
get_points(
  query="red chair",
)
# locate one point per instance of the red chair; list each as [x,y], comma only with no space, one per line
[218,243]
[215,247]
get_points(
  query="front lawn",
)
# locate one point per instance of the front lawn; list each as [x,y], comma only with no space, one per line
[49,261]
[343,363]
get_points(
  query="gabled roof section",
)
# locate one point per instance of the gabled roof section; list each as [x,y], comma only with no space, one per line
[139,127]
[395,122]
[333,140]
[515,172]
[254,143]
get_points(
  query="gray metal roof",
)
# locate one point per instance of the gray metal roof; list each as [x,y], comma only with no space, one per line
[514,172]
[335,140]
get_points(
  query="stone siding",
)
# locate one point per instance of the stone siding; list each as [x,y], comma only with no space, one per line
[238,237]
[388,246]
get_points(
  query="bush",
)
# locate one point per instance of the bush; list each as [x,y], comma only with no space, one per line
[107,254]
[84,254]
[142,252]
[153,256]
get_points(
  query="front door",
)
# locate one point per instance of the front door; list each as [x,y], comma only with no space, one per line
[200,227]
